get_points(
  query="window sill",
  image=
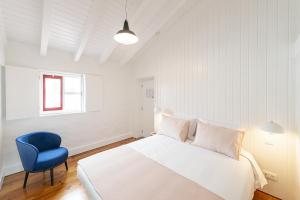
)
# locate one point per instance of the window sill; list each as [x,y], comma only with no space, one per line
[60,114]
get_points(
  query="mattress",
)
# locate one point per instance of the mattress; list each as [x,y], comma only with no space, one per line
[230,179]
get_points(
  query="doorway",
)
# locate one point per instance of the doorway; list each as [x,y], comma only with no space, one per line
[146,106]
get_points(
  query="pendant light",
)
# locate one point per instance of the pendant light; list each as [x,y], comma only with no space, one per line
[126,36]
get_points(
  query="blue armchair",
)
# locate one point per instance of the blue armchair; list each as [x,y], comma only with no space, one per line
[41,151]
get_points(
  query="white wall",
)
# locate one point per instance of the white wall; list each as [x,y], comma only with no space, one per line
[296,61]
[229,62]
[297,109]
[2,62]
[2,39]
[2,51]
[1,133]
[297,114]
[79,131]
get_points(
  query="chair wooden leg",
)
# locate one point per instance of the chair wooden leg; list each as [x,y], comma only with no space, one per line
[25,180]
[66,164]
[51,175]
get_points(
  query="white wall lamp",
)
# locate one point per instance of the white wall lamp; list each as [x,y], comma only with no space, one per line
[271,128]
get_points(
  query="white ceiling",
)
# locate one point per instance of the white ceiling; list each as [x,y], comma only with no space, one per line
[85,27]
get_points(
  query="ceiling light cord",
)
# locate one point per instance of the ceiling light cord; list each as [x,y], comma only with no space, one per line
[126,9]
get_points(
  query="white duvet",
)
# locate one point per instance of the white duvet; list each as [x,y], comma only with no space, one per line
[229,178]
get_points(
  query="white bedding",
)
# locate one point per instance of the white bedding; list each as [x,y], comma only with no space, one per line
[91,192]
[229,178]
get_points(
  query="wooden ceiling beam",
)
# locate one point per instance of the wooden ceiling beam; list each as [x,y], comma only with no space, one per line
[88,28]
[47,12]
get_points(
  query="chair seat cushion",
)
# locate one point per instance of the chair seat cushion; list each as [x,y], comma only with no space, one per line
[50,158]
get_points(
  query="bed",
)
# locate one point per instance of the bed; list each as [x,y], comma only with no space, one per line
[220,176]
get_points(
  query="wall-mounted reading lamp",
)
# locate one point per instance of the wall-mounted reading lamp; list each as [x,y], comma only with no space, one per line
[271,128]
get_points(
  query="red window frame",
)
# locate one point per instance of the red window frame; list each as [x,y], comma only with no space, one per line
[45,76]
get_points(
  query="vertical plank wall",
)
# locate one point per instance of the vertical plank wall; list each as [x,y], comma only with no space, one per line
[228,62]
[2,61]
[296,45]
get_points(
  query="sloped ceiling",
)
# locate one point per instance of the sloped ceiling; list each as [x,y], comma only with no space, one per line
[85,27]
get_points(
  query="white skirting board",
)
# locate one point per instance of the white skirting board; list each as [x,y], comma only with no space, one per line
[7,170]
[97,144]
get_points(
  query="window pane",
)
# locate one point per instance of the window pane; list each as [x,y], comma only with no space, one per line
[72,84]
[62,93]
[52,92]
[72,102]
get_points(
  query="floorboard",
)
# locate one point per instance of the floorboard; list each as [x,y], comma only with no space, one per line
[66,185]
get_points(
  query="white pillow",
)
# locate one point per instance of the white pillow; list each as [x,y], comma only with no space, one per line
[193,128]
[219,139]
[174,127]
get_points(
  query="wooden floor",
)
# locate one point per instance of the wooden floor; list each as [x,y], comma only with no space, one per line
[263,196]
[66,185]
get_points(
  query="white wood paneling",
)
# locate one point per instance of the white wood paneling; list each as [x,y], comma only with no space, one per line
[86,27]
[23,20]
[3,38]
[68,23]
[228,62]
[296,40]
[21,92]
[155,16]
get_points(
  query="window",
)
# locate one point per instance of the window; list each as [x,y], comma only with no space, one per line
[62,93]
[52,92]
[73,94]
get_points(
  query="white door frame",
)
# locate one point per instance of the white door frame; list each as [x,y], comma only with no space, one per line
[139,105]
